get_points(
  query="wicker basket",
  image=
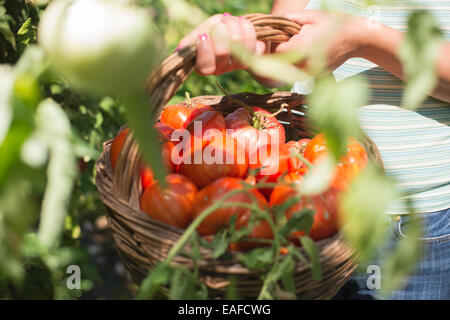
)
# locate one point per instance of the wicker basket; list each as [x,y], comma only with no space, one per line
[142,241]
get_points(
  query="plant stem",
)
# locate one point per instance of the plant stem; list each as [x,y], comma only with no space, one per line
[193,226]
[188,99]
[241,103]
[298,155]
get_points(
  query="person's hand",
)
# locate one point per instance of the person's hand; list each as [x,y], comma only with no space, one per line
[340,36]
[212,39]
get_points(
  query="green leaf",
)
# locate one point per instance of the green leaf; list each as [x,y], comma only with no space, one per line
[265,65]
[157,277]
[220,243]
[5,29]
[32,62]
[141,124]
[364,207]
[185,11]
[6,91]
[333,110]
[297,222]
[284,265]
[23,100]
[311,249]
[25,35]
[185,285]
[54,129]
[256,259]
[288,281]
[318,178]
[419,53]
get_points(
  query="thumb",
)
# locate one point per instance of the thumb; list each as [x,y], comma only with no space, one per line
[298,41]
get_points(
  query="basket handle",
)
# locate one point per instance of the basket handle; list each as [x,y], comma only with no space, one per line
[165,81]
[174,70]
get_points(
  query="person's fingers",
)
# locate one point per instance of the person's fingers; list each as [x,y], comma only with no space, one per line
[234,28]
[202,28]
[304,16]
[206,60]
[221,47]
[298,41]
[261,48]
[249,34]
[235,35]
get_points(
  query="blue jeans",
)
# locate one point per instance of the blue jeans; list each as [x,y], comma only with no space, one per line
[431,277]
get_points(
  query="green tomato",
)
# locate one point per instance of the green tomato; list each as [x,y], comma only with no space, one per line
[100,46]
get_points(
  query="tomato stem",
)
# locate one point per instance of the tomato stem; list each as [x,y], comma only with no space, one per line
[305,161]
[259,119]
[188,99]
[241,103]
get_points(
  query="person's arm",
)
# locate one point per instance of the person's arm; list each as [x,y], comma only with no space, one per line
[351,37]
[381,46]
[279,7]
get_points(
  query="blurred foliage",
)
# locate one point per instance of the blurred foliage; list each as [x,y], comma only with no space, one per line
[40,152]
[418,53]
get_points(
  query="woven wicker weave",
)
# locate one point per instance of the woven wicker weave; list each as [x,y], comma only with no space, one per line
[142,241]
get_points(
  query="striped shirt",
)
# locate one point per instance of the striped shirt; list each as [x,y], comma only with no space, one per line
[414,145]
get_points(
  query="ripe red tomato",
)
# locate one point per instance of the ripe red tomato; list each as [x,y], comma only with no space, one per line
[316,148]
[250,128]
[299,146]
[146,176]
[209,122]
[197,134]
[116,146]
[166,153]
[325,219]
[273,160]
[145,171]
[351,163]
[220,218]
[221,156]
[172,205]
[178,116]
